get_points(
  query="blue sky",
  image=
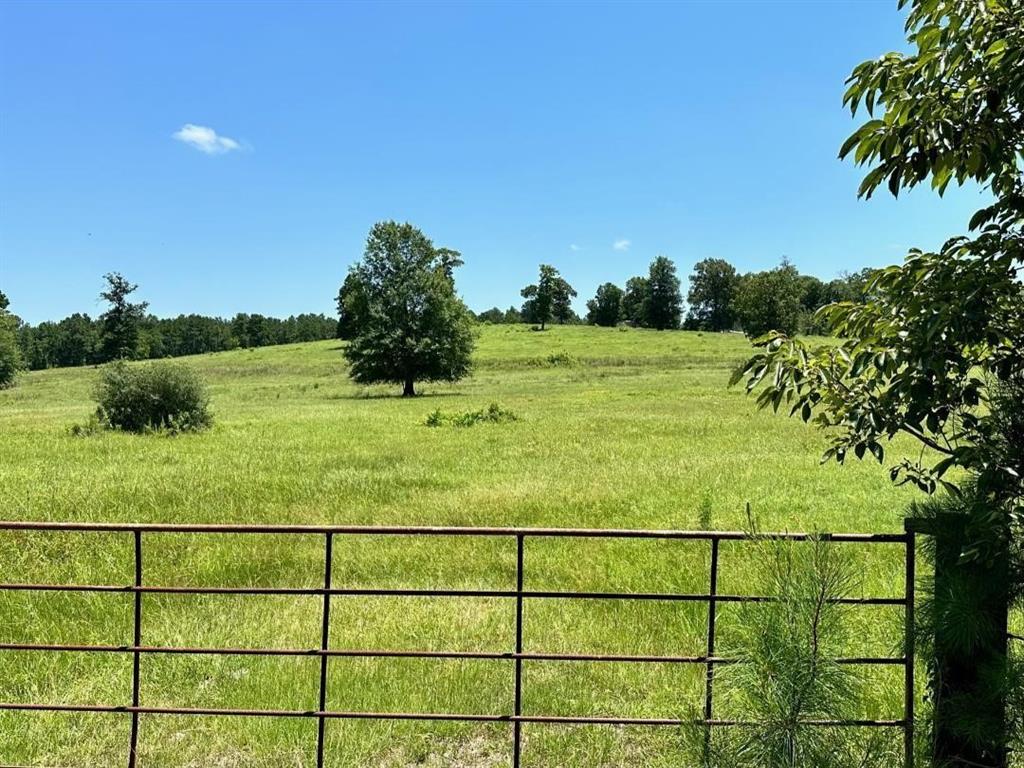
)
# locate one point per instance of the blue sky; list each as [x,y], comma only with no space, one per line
[589,136]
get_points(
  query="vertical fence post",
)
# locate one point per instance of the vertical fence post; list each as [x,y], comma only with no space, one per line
[136,642]
[908,660]
[710,669]
[325,632]
[517,727]
[961,680]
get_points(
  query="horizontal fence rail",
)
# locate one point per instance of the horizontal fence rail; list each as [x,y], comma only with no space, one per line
[516,718]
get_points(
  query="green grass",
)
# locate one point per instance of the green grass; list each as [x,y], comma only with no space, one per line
[616,428]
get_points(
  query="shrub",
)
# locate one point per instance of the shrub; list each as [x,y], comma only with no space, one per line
[91,426]
[492,414]
[553,360]
[156,397]
[561,358]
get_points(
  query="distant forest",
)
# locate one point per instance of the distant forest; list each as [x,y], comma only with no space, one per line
[127,331]
[719,299]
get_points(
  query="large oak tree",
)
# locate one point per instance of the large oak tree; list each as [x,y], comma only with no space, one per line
[408,324]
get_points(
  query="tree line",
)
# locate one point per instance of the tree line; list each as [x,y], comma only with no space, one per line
[719,299]
[126,331]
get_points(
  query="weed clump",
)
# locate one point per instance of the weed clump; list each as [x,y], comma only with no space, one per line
[159,397]
[554,360]
[492,414]
[91,426]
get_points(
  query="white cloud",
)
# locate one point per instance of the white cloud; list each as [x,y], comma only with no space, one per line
[575,247]
[205,139]
[621,245]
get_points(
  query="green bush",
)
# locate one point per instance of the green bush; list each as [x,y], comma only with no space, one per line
[156,397]
[554,360]
[91,426]
[492,414]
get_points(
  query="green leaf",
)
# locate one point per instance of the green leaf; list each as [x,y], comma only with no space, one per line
[995,48]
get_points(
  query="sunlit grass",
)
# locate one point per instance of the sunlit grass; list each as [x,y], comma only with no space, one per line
[617,428]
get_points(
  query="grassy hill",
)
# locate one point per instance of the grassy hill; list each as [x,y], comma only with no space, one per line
[616,428]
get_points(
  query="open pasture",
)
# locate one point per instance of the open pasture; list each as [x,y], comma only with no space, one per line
[616,428]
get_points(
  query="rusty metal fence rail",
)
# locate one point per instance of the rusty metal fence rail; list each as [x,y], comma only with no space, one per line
[515,657]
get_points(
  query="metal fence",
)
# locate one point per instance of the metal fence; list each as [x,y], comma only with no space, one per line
[516,656]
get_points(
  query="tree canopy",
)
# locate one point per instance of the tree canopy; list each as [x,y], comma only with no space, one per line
[711,296]
[950,110]
[663,305]
[119,338]
[561,305]
[770,301]
[549,298]
[606,306]
[633,300]
[494,316]
[410,325]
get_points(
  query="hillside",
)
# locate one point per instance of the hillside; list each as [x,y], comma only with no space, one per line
[618,427]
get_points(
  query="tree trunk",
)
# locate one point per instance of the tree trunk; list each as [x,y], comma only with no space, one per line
[409,391]
[968,678]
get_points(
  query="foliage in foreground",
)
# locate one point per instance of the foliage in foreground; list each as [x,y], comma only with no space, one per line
[786,672]
[936,350]
[155,397]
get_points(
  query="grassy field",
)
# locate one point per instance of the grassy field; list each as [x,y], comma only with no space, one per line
[617,428]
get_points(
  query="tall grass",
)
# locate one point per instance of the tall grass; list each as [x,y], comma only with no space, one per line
[638,431]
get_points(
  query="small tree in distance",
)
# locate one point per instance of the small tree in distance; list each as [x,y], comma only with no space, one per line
[541,298]
[409,323]
[663,306]
[633,300]
[561,305]
[119,339]
[604,309]
[147,397]
[769,301]
[712,292]
[492,316]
